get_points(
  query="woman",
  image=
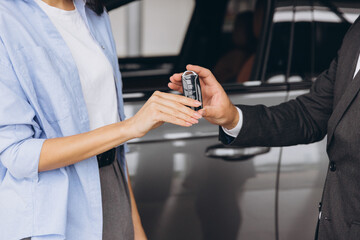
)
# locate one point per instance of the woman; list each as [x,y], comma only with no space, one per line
[62,165]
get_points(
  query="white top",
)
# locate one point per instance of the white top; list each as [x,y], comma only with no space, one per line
[95,70]
[236,130]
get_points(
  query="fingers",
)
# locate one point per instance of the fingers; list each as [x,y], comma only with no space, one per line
[176,117]
[227,118]
[177,108]
[174,107]
[174,120]
[176,78]
[205,74]
[175,82]
[202,72]
[175,87]
[177,98]
[202,112]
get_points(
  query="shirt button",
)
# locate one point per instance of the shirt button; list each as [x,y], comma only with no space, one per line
[102,46]
[332,166]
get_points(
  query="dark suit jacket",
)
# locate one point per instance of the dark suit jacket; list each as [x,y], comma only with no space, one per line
[332,107]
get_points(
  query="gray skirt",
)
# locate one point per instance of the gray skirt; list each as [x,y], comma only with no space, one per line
[117,220]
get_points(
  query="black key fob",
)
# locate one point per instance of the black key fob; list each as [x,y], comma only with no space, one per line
[191,86]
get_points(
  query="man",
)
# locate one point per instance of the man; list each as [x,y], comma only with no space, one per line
[331,108]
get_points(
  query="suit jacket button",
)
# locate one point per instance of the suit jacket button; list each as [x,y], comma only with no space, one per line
[332,166]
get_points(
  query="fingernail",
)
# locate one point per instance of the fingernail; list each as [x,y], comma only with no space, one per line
[188,124]
[197,103]
[194,121]
[197,115]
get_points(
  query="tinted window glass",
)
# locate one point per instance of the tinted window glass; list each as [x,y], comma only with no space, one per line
[241,31]
[279,44]
[302,61]
[332,21]
[319,28]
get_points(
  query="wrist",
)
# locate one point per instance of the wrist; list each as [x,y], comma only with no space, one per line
[132,130]
[233,119]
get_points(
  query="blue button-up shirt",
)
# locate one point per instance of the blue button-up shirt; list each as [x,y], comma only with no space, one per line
[41,98]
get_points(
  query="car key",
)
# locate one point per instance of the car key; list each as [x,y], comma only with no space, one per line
[191,86]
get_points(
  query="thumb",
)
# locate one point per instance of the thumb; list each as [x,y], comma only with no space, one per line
[209,112]
[205,74]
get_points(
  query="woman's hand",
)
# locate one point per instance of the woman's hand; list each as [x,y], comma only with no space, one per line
[164,107]
[218,108]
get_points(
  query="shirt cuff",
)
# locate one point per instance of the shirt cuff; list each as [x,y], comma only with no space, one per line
[235,131]
[22,159]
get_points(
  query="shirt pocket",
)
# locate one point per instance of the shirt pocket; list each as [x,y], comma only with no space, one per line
[43,75]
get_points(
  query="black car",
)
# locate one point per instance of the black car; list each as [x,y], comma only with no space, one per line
[187,185]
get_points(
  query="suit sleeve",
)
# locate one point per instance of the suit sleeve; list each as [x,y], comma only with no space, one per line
[300,121]
[20,145]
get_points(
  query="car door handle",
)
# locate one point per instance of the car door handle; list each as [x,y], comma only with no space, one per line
[234,153]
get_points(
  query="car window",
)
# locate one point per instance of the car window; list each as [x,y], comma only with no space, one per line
[319,28]
[331,30]
[240,37]
[276,63]
[302,60]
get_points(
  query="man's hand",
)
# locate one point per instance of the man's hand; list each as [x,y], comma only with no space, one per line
[218,108]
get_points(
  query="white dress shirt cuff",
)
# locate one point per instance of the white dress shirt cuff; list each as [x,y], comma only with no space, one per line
[235,131]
